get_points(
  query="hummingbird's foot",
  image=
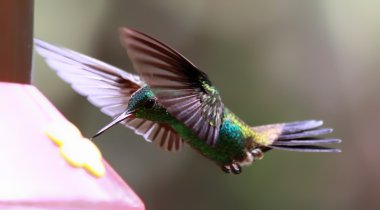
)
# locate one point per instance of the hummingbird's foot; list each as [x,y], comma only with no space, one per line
[234,167]
[250,157]
[257,154]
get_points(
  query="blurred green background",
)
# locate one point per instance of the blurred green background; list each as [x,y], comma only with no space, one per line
[272,61]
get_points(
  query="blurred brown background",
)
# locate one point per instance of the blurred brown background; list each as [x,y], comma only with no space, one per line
[272,61]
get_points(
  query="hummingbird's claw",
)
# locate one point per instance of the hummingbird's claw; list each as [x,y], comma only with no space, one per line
[234,167]
[226,169]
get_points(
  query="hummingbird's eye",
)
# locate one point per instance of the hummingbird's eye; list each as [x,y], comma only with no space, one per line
[149,103]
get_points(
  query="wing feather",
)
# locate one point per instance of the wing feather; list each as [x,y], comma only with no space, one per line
[105,86]
[180,87]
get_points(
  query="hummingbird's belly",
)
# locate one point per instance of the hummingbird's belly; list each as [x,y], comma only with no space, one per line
[230,144]
[229,147]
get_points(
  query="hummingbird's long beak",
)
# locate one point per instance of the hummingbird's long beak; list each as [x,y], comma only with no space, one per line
[118,119]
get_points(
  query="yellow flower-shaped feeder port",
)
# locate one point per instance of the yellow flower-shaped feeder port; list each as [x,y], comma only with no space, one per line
[75,149]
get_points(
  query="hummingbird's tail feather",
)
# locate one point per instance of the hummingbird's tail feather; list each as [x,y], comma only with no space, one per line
[301,136]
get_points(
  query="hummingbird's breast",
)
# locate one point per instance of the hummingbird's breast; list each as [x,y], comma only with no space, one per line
[233,135]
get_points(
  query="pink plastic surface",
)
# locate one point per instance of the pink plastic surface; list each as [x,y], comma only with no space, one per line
[33,175]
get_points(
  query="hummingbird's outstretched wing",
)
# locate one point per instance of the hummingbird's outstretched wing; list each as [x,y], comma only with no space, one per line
[180,87]
[106,87]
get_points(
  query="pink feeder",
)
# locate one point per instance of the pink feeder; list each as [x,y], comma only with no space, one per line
[34,174]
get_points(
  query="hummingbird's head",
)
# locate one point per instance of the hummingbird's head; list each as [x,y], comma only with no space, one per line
[143,103]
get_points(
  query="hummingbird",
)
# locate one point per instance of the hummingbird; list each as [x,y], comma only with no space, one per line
[171,102]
